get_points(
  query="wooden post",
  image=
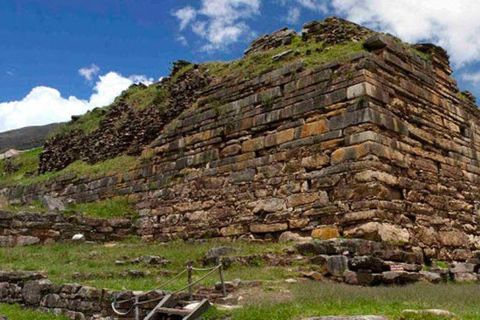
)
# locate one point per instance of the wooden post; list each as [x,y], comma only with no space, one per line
[189,270]
[137,309]
[220,273]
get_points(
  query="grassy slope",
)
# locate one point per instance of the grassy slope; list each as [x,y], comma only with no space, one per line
[275,301]
[313,299]
[15,312]
[28,164]
[96,263]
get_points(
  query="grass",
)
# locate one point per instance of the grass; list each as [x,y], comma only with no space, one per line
[181,72]
[28,162]
[16,312]
[106,209]
[141,97]
[311,53]
[95,264]
[87,123]
[310,299]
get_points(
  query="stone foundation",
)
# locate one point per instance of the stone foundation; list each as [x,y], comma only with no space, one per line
[34,228]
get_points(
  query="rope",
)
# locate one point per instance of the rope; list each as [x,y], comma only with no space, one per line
[198,280]
[115,302]
[203,269]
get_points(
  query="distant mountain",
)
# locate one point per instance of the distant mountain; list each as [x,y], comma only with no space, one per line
[26,138]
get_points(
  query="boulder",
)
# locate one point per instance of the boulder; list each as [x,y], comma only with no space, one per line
[383,232]
[52,204]
[400,277]
[427,313]
[336,265]
[325,233]
[34,290]
[465,277]
[365,263]
[78,237]
[214,253]
[432,277]
[289,236]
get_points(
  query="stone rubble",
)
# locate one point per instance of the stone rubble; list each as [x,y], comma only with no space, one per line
[364,262]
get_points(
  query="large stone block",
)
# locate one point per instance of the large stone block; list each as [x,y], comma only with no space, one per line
[376,231]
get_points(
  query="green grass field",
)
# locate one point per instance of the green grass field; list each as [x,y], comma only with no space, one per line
[15,312]
[95,265]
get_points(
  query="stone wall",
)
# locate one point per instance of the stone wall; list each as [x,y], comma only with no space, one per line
[33,228]
[380,146]
[123,128]
[78,302]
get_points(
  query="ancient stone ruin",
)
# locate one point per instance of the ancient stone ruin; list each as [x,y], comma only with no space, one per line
[377,144]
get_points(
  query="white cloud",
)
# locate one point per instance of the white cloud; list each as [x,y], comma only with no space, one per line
[45,105]
[293,15]
[315,5]
[471,77]
[89,72]
[295,8]
[182,40]
[454,25]
[185,15]
[219,22]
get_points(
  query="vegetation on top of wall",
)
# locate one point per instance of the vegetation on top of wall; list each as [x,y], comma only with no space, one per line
[28,166]
[25,165]
[87,123]
[107,209]
[140,96]
[310,52]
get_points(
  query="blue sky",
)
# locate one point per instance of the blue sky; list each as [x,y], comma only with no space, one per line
[45,43]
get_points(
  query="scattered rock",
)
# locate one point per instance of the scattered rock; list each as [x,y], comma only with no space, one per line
[430,313]
[289,236]
[281,55]
[325,233]
[266,42]
[78,237]
[432,277]
[52,204]
[215,253]
[151,260]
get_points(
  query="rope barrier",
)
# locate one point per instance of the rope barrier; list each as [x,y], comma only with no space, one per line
[158,288]
[115,303]
[198,280]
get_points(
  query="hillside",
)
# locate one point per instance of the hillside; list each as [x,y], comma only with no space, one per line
[26,138]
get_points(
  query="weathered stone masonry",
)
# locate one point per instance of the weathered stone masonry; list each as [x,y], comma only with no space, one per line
[382,146]
[35,228]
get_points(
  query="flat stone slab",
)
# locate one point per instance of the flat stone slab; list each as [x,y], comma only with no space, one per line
[349,318]
[431,313]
